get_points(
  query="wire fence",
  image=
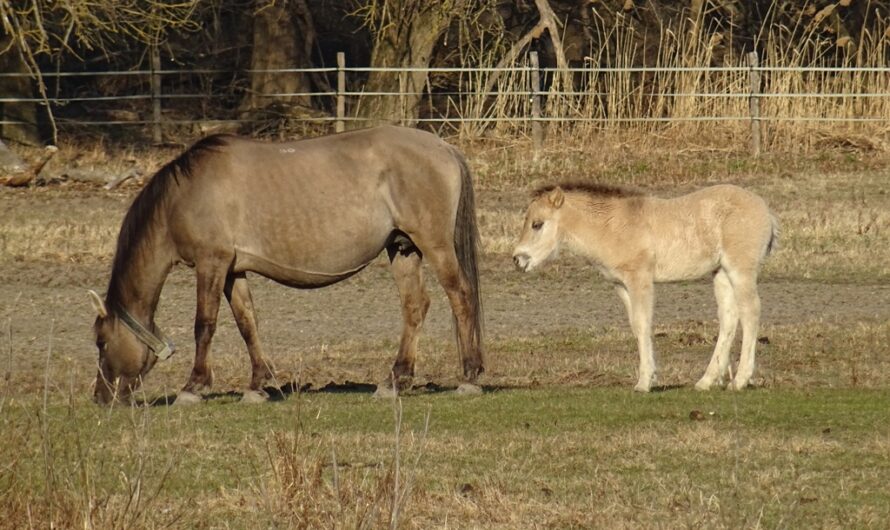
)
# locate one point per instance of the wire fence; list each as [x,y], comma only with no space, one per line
[523,96]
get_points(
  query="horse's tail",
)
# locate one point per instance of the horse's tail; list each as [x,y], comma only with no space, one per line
[773,242]
[466,246]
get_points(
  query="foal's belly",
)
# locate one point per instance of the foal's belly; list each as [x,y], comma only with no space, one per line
[684,262]
[673,271]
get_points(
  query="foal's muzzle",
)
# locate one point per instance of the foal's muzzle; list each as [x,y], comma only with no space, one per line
[521,261]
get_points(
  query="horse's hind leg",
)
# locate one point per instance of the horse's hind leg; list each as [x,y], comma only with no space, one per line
[408,274]
[744,285]
[638,297]
[240,300]
[728,313]
[444,262]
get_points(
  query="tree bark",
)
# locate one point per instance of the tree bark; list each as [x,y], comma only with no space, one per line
[26,113]
[548,23]
[405,37]
[276,45]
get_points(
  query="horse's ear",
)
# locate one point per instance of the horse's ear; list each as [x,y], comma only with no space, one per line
[97,303]
[556,197]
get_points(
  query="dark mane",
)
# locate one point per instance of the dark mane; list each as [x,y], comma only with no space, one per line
[593,189]
[140,218]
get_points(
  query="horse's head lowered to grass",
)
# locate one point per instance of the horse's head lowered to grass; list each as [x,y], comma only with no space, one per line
[127,352]
[540,233]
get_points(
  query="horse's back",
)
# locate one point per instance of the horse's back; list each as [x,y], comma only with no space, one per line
[325,204]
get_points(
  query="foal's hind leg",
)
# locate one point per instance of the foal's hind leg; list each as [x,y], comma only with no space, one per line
[408,274]
[744,283]
[638,297]
[240,300]
[728,314]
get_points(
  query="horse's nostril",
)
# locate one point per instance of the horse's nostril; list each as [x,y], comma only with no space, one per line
[520,260]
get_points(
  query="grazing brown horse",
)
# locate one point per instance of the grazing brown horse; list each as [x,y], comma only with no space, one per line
[636,240]
[306,214]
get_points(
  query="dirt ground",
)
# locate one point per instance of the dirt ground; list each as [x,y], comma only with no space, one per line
[47,319]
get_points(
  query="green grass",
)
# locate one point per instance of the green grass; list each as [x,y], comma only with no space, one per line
[556,457]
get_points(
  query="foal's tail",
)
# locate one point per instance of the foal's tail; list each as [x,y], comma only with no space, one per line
[466,244]
[773,242]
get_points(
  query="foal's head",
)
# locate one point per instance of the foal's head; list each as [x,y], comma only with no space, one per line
[540,234]
[123,358]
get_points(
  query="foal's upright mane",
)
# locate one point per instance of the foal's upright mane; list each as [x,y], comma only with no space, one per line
[593,189]
[139,222]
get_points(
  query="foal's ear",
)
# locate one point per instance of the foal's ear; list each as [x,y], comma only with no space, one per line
[97,303]
[556,197]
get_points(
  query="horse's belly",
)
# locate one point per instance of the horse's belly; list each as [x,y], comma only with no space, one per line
[304,274]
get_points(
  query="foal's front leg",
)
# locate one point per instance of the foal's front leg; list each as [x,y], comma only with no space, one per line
[638,297]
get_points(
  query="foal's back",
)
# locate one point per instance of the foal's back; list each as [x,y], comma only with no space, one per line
[695,234]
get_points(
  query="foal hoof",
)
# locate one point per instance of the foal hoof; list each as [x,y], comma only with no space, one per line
[736,385]
[254,396]
[385,392]
[703,385]
[641,388]
[184,398]
[468,389]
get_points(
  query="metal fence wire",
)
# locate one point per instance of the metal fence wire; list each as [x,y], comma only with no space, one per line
[518,96]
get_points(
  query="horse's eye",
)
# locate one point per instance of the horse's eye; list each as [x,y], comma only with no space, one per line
[537,225]
[100,344]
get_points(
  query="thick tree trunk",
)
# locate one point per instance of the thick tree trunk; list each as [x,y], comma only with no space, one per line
[276,45]
[25,115]
[404,39]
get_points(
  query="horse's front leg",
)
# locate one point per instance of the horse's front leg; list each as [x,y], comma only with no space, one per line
[210,285]
[638,297]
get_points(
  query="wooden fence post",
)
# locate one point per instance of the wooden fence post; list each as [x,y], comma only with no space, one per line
[341,90]
[754,102]
[537,132]
[156,135]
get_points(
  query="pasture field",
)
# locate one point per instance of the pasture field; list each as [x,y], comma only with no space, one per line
[558,440]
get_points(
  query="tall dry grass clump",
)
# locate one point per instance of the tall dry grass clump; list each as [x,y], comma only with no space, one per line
[307,486]
[649,88]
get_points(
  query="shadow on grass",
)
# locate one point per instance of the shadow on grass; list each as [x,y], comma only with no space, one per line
[282,393]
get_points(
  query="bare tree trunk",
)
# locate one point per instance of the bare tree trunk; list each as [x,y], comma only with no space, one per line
[276,45]
[548,23]
[406,33]
[26,113]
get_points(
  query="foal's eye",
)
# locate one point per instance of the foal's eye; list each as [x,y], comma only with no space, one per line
[100,344]
[537,225]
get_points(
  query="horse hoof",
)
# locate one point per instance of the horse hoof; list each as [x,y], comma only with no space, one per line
[468,389]
[184,398]
[254,396]
[385,392]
